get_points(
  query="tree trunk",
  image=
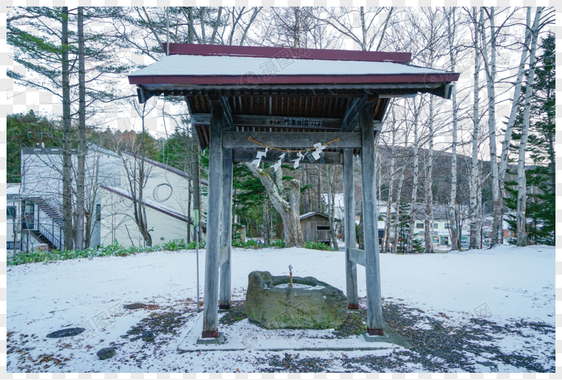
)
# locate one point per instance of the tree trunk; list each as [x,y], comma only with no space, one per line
[521,177]
[415,181]
[266,231]
[288,210]
[480,208]
[453,216]
[143,178]
[294,190]
[397,208]
[81,154]
[137,177]
[360,233]
[387,227]
[67,139]
[191,25]
[319,200]
[92,211]
[490,65]
[252,19]
[474,231]
[332,208]
[429,184]
[514,106]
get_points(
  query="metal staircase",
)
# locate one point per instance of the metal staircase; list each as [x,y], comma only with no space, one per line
[44,231]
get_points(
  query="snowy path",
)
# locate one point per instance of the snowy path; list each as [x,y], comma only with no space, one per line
[502,285]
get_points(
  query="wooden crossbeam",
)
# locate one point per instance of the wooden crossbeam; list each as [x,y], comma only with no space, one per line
[357,256]
[284,140]
[274,121]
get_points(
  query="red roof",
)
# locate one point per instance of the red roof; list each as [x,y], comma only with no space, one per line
[287,53]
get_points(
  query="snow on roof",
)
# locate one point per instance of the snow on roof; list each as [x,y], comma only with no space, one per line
[13,188]
[308,214]
[312,213]
[197,65]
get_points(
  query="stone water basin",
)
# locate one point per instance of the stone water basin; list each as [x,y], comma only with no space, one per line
[309,304]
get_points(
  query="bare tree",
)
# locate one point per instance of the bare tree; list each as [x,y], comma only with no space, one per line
[137,174]
[521,178]
[475,135]
[453,216]
[81,154]
[416,111]
[285,198]
[403,165]
[490,70]
[360,24]
[514,105]
[386,240]
[428,224]
[67,138]
[331,175]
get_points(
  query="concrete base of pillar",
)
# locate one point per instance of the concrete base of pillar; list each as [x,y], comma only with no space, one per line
[389,335]
[218,340]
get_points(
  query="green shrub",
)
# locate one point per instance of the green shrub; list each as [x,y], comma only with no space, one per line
[174,245]
[277,243]
[191,245]
[250,244]
[317,245]
[238,244]
[114,249]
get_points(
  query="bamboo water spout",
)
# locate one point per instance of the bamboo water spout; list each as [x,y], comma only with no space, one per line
[291,276]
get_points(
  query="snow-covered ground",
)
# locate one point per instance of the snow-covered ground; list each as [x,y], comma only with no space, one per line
[503,286]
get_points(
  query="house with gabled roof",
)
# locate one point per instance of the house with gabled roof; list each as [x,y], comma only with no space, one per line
[38,203]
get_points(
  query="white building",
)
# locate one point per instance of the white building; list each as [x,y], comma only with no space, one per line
[37,203]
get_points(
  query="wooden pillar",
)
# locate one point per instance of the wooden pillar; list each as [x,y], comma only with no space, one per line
[370,222]
[226,230]
[210,310]
[349,220]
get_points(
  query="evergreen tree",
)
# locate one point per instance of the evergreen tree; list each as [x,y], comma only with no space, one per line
[541,179]
[28,131]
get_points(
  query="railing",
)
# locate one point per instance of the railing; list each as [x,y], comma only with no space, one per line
[50,235]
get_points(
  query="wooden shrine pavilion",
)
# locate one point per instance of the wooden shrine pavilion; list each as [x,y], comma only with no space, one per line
[285,98]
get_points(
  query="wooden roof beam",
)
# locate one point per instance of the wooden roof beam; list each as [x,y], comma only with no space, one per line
[351,118]
[220,99]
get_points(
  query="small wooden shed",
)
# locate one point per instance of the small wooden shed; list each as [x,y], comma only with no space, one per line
[316,227]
